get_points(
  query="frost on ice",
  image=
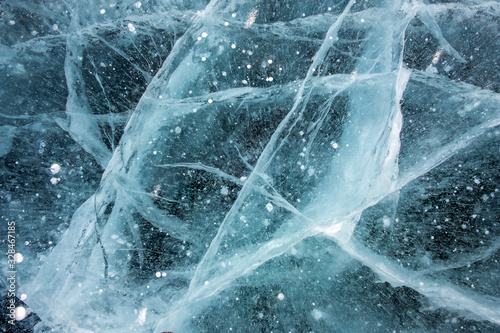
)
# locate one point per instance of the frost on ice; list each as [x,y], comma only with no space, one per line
[253,165]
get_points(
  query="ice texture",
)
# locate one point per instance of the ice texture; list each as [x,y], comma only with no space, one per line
[253,166]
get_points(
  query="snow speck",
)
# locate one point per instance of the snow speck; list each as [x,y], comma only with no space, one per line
[269,206]
[55,168]
[281,296]
[226,23]
[224,190]
[23,297]
[55,180]
[335,145]
[204,34]
[138,4]
[158,274]
[206,283]
[269,79]
[317,314]
[102,11]
[141,318]
[203,58]
[12,22]
[233,46]
[270,61]
[210,100]
[131,27]
[55,27]
[178,130]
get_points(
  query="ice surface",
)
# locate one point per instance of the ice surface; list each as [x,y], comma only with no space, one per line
[267,166]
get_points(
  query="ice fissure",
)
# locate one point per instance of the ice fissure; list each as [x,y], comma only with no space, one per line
[269,166]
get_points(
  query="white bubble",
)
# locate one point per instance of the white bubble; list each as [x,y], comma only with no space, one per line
[233,46]
[204,34]
[138,4]
[12,22]
[55,27]
[20,313]
[249,66]
[224,73]
[23,297]
[226,23]
[269,206]
[335,145]
[55,168]
[206,283]
[224,190]
[131,27]
[281,296]
[158,274]
[54,180]
[102,11]
[270,61]
[203,58]
[210,100]
[18,257]
[178,130]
